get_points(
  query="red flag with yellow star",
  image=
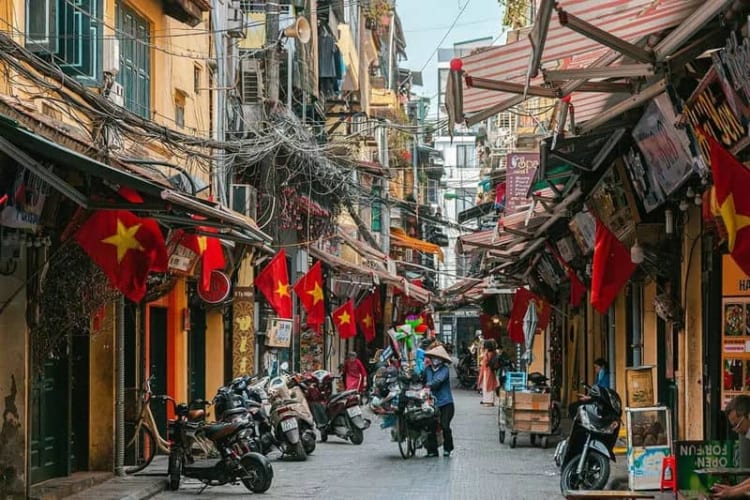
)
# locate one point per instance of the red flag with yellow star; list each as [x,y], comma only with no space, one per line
[210,251]
[731,179]
[366,317]
[343,318]
[273,282]
[126,247]
[309,289]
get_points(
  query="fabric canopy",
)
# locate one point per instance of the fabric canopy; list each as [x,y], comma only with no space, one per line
[401,239]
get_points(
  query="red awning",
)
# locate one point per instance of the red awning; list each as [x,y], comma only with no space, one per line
[629,20]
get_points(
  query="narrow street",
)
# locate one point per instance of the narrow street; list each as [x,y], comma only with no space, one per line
[480,468]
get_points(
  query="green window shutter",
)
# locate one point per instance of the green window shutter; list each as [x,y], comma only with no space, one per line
[41,26]
[134,33]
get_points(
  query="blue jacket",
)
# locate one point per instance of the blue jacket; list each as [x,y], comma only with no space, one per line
[439,382]
[602,379]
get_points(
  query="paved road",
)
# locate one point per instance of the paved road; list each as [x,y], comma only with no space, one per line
[480,468]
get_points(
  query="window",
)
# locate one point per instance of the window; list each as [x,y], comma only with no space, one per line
[465,156]
[68,33]
[179,108]
[432,191]
[197,73]
[464,199]
[134,33]
[376,212]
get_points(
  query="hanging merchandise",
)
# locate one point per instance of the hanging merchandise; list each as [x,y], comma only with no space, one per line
[530,322]
[310,351]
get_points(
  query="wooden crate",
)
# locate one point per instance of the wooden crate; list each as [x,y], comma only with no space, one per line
[535,427]
[531,401]
[531,416]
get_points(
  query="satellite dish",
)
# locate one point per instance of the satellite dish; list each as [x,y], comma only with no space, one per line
[299,30]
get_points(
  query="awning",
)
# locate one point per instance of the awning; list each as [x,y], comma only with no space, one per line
[629,20]
[399,282]
[401,239]
[370,253]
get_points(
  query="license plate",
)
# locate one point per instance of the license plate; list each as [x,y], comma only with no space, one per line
[354,411]
[289,424]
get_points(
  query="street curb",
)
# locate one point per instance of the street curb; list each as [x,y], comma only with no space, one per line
[145,493]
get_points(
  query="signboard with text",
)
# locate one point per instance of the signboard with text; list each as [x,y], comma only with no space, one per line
[520,172]
[695,455]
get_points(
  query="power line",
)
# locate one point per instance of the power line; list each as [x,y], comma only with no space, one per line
[437,47]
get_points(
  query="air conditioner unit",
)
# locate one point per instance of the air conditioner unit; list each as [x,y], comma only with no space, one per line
[111,55]
[235,20]
[243,198]
[251,81]
[117,94]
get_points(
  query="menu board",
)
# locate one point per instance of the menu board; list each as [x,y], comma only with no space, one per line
[735,331]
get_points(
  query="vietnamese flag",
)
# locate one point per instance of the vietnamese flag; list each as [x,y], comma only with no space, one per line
[210,252]
[366,317]
[521,301]
[273,282]
[611,268]
[126,247]
[731,179]
[343,318]
[309,289]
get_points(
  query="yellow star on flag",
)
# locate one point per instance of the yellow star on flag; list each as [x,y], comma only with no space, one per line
[732,220]
[367,321]
[124,239]
[317,293]
[344,318]
[282,289]
[202,244]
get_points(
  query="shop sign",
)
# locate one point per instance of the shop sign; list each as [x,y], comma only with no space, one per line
[218,288]
[735,58]
[694,455]
[710,109]
[279,332]
[243,332]
[644,180]
[665,149]
[613,203]
[734,281]
[521,169]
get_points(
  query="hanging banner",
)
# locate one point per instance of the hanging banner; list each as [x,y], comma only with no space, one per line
[520,172]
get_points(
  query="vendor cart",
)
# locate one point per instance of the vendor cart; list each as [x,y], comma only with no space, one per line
[529,412]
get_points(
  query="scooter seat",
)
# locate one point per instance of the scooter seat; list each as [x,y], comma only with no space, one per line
[234,412]
[217,432]
[343,395]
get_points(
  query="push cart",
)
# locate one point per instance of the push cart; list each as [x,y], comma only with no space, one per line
[528,412]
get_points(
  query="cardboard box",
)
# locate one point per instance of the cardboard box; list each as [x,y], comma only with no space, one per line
[640,386]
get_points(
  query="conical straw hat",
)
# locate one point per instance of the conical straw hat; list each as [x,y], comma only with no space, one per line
[439,352]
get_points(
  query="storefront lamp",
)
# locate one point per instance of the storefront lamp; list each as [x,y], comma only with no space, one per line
[668,221]
[636,253]
[684,205]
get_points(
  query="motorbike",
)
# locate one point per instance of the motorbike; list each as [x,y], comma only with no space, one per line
[292,422]
[467,371]
[236,462]
[338,414]
[539,383]
[585,454]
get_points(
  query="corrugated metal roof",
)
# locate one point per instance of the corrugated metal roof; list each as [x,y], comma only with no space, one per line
[630,20]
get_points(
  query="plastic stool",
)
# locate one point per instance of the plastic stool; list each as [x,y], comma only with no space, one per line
[668,474]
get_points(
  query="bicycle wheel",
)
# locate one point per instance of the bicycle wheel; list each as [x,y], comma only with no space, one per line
[403,440]
[140,447]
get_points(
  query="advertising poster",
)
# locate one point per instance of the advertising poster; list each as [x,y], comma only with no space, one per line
[521,169]
[692,456]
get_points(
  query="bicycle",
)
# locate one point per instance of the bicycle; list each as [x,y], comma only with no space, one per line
[146,440]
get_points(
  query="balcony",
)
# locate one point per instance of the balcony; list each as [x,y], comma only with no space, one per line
[189,12]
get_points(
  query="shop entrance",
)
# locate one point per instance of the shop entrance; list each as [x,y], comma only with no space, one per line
[49,443]
[157,324]
[197,354]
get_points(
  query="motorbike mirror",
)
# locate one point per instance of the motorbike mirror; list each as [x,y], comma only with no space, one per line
[285,366]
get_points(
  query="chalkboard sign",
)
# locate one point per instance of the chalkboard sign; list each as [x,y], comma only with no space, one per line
[693,455]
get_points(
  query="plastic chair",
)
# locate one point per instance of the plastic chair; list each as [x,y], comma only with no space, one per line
[668,474]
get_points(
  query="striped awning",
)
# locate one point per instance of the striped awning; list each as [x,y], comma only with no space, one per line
[629,20]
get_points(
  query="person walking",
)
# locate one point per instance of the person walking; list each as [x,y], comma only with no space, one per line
[437,377]
[487,380]
[354,373]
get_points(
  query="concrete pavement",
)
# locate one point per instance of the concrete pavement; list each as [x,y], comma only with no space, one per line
[480,467]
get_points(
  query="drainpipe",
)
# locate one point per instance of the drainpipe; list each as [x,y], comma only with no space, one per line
[120,389]
[636,321]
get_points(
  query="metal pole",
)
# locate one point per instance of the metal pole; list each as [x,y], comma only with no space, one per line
[390,52]
[385,229]
[218,18]
[120,389]
[272,59]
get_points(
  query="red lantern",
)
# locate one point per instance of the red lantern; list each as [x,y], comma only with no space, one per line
[456,64]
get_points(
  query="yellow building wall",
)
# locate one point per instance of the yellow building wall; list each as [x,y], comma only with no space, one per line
[102,394]
[214,351]
[621,345]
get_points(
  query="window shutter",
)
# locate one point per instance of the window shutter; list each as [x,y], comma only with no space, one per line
[41,26]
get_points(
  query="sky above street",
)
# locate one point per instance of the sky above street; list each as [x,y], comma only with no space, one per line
[425,24]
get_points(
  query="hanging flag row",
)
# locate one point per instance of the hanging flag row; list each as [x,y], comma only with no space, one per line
[273,282]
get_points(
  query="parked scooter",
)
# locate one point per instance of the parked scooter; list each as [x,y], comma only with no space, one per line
[292,421]
[236,463]
[584,456]
[338,414]
[467,371]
